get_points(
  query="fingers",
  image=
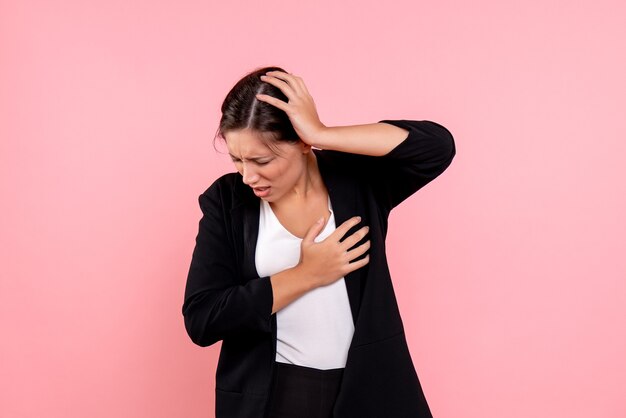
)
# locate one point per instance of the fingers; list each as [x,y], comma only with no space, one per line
[354,238]
[289,79]
[287,83]
[358,264]
[282,85]
[338,233]
[273,101]
[359,251]
[313,231]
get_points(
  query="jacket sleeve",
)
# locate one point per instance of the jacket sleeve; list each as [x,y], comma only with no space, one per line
[216,304]
[424,154]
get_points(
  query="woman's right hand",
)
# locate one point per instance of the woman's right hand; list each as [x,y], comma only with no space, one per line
[329,260]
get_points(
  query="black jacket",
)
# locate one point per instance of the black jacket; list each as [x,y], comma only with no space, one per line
[225,299]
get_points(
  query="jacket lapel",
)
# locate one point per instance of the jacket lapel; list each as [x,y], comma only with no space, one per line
[344,203]
[245,225]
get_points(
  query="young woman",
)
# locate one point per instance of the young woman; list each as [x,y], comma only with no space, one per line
[289,270]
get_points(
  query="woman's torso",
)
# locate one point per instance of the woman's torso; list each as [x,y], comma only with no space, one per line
[316,329]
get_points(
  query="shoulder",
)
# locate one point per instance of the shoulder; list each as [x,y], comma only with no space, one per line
[339,163]
[227,191]
[225,182]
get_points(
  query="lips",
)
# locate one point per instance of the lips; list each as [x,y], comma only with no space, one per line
[261,191]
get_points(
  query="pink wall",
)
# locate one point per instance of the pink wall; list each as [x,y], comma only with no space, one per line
[512,292]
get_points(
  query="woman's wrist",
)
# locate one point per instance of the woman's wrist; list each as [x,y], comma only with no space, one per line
[320,138]
[289,285]
[309,281]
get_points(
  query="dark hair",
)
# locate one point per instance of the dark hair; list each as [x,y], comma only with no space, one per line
[242,110]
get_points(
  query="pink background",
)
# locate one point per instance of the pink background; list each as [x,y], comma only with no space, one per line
[512,292]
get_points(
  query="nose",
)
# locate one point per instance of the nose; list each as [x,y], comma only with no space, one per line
[249,175]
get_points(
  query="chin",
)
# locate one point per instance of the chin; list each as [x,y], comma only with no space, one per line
[270,198]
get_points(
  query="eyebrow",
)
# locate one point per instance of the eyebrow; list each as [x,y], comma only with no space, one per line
[252,159]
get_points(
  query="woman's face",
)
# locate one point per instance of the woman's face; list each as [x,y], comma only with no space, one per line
[270,174]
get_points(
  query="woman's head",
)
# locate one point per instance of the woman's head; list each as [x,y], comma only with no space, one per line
[260,138]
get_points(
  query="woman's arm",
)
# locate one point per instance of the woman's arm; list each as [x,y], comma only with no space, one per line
[216,304]
[375,139]
[396,158]
[395,168]
[392,166]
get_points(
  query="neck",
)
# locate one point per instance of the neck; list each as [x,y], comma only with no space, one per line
[309,185]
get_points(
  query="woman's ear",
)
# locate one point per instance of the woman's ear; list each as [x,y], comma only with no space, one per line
[306,148]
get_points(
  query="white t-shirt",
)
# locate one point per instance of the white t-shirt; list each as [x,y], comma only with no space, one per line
[316,329]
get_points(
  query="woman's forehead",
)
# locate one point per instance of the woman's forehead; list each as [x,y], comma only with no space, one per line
[249,144]
[246,143]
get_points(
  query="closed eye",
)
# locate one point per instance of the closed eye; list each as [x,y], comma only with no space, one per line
[237,160]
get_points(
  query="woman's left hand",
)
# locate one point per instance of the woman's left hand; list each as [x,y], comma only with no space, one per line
[300,109]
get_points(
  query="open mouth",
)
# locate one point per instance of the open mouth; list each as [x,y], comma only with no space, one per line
[261,191]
